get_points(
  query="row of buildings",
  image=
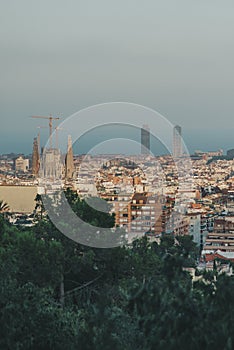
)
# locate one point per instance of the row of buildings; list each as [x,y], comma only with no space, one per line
[145,191]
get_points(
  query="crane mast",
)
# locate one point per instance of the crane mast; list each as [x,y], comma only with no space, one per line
[50,118]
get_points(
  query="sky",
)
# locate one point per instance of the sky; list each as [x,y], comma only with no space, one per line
[57,57]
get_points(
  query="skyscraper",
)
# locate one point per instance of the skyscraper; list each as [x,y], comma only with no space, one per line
[69,162]
[177,142]
[35,158]
[145,140]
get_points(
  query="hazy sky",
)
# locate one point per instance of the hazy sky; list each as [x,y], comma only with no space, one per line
[175,56]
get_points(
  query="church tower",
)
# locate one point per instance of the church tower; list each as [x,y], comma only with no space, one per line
[69,161]
[35,159]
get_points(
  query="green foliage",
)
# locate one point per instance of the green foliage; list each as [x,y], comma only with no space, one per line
[57,294]
[85,210]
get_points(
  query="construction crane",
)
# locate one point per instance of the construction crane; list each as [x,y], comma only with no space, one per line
[56,131]
[50,118]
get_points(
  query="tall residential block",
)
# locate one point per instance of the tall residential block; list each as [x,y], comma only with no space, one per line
[177,142]
[21,164]
[145,140]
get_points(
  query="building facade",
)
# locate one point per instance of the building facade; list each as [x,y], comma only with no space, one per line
[21,164]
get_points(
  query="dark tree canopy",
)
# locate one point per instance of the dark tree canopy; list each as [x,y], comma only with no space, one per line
[57,294]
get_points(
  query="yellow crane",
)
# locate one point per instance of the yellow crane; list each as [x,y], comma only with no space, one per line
[50,118]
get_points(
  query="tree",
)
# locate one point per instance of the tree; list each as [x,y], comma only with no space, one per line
[39,207]
[4,207]
[58,294]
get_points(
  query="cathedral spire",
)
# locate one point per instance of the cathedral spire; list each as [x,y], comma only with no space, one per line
[69,162]
[35,158]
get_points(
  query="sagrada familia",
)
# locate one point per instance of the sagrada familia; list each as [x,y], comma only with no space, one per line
[49,164]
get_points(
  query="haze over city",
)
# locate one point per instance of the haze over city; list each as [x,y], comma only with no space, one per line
[117,175]
[174,57]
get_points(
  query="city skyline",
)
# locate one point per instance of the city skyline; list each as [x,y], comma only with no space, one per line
[117,174]
[94,137]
